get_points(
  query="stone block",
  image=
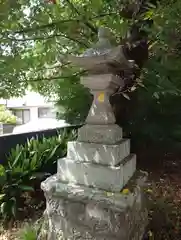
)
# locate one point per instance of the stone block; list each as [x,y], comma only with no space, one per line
[93,214]
[95,175]
[109,82]
[129,166]
[99,153]
[104,134]
[100,114]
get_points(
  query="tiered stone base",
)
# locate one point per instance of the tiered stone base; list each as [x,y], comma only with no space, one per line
[84,213]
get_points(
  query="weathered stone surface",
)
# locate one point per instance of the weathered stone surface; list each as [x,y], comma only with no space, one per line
[95,175]
[100,82]
[129,167]
[100,112]
[104,134]
[53,186]
[101,86]
[93,214]
[99,153]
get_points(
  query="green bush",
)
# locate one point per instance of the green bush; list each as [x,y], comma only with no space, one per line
[153,121]
[25,165]
[6,116]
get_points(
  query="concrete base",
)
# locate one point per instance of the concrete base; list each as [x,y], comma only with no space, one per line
[78,212]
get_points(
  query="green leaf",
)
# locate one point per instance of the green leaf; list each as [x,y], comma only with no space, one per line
[52,153]
[126,96]
[14,209]
[34,163]
[39,175]
[2,207]
[16,160]
[26,188]
[2,170]
[2,196]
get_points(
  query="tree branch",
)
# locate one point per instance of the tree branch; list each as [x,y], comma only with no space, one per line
[49,25]
[57,78]
[89,25]
[46,38]
[53,67]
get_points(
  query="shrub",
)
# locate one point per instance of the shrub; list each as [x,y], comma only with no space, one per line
[25,165]
[6,116]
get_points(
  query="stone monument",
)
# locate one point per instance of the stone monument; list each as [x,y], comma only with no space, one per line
[97,194]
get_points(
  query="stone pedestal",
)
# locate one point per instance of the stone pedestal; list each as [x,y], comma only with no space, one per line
[79,212]
[85,199]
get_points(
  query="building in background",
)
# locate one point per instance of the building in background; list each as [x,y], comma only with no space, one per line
[30,107]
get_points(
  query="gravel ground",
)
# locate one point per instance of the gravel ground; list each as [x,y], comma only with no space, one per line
[13,233]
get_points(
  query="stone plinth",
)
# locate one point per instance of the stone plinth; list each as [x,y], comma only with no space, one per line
[104,154]
[79,212]
[96,134]
[96,175]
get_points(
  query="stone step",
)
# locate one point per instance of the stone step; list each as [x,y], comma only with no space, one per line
[105,134]
[95,175]
[99,153]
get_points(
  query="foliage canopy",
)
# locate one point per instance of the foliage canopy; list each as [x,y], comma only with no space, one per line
[36,36]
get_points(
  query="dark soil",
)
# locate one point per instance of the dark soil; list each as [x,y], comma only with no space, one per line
[164,193]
